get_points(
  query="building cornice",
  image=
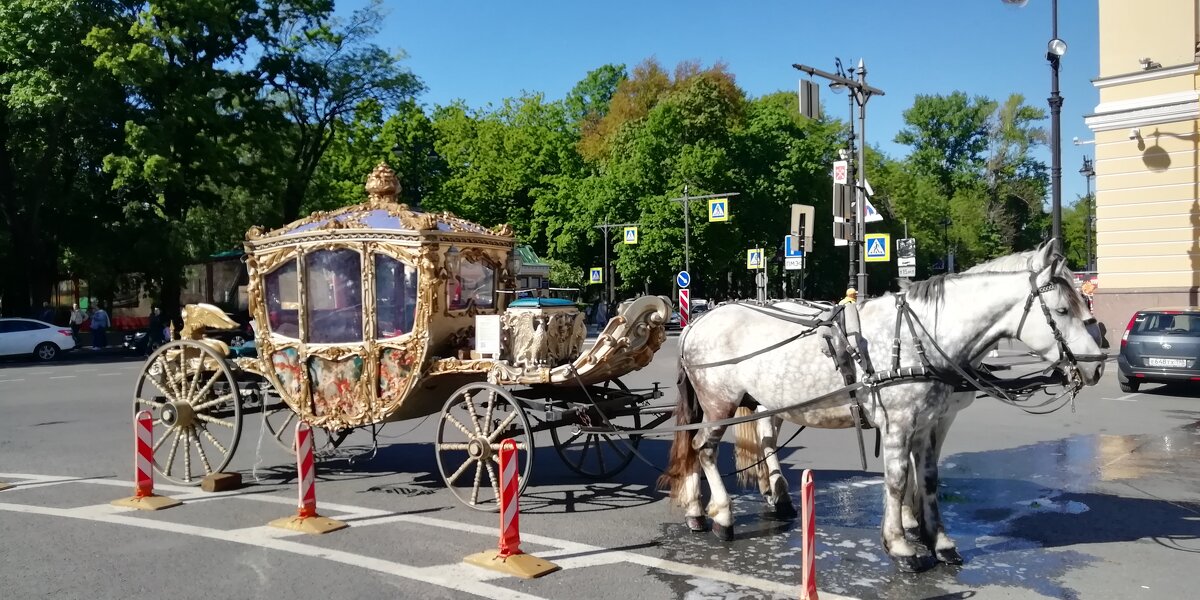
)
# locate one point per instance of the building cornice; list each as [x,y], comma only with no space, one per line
[1151,75]
[1140,112]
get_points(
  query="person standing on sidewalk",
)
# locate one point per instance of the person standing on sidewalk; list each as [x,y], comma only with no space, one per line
[100,324]
[76,321]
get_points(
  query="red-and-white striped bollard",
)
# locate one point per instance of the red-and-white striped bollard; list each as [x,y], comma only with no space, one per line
[143,497]
[143,454]
[808,573]
[306,471]
[307,520]
[510,509]
[685,306]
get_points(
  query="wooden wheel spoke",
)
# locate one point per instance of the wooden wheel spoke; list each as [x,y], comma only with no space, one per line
[192,385]
[587,445]
[187,456]
[453,421]
[491,471]
[600,454]
[491,408]
[462,469]
[469,402]
[502,426]
[214,420]
[208,385]
[161,440]
[496,447]
[478,480]
[171,456]
[214,402]
[453,446]
[203,455]
[150,403]
[622,452]
[574,436]
[211,438]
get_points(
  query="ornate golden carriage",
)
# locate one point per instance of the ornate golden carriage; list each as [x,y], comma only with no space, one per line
[368,314]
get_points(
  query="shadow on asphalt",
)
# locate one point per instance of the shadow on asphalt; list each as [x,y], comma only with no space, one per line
[73,357]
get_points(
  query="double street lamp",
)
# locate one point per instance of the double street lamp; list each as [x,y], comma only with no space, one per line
[1055,49]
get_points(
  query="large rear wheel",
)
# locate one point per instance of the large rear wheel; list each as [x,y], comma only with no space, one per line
[196,403]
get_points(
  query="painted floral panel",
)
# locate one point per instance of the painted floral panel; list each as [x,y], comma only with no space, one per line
[395,371]
[333,385]
[287,368]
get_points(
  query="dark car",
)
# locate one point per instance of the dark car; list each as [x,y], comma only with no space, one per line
[1160,345]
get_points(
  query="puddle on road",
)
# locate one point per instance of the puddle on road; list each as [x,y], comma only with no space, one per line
[1016,516]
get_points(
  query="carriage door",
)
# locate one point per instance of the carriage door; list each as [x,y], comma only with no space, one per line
[334,350]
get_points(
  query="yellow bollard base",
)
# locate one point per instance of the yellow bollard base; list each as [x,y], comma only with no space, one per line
[4,486]
[527,566]
[154,502]
[317,525]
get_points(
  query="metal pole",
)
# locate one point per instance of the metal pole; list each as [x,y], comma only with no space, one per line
[853,160]
[861,174]
[687,231]
[1088,222]
[607,270]
[1056,102]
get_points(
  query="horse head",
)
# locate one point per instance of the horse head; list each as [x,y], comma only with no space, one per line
[1055,321]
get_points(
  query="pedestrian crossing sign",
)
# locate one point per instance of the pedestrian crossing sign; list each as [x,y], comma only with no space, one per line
[631,235]
[718,209]
[879,247]
[754,258]
[596,275]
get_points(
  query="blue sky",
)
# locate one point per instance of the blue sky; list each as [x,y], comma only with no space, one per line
[483,52]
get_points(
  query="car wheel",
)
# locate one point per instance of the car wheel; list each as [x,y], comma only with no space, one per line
[45,351]
[1129,386]
[236,341]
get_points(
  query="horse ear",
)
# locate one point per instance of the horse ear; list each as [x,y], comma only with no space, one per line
[1042,257]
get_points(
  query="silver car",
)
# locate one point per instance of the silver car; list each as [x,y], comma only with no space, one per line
[1160,345]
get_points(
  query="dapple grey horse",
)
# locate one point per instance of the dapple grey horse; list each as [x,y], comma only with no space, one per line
[736,356]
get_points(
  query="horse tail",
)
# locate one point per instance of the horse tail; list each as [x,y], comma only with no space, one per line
[684,458]
[747,449]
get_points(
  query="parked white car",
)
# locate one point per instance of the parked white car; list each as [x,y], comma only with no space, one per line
[28,336]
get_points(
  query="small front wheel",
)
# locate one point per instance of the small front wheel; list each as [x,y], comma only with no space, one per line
[475,420]
[46,351]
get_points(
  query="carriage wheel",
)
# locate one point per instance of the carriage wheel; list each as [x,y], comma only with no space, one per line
[476,419]
[599,455]
[195,400]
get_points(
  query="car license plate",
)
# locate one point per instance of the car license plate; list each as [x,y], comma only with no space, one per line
[1166,362]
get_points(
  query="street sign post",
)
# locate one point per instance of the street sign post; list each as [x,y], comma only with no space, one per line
[908,271]
[754,258]
[718,209]
[596,276]
[683,279]
[793,263]
[631,235]
[841,171]
[878,247]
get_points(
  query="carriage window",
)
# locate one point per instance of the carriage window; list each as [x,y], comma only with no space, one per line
[395,297]
[476,284]
[333,279]
[283,301]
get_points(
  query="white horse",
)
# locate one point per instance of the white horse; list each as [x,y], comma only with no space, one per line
[738,356]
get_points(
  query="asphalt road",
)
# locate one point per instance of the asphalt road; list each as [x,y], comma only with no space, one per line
[1099,502]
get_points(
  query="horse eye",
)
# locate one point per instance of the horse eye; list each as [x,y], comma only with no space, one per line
[1062,312]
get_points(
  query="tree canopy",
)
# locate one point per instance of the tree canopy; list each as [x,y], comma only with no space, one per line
[138,137]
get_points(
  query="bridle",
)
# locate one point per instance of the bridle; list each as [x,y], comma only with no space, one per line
[1066,359]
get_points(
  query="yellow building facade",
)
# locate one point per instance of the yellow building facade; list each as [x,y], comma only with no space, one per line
[1146,163]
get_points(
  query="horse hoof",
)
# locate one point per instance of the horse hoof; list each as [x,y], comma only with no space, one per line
[697,524]
[914,564]
[949,556]
[723,533]
[784,511]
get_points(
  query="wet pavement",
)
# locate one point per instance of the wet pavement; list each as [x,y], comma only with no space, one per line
[1026,521]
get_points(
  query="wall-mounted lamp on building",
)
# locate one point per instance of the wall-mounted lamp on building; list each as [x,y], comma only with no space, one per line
[1148,64]
[1135,134]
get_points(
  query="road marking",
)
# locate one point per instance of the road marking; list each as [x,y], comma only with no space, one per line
[1125,398]
[64,377]
[8,380]
[109,374]
[576,555]
[459,581]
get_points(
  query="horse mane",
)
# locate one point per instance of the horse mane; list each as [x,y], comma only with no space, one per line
[933,290]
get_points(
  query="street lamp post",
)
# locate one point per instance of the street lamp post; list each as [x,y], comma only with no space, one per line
[1055,50]
[1088,172]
